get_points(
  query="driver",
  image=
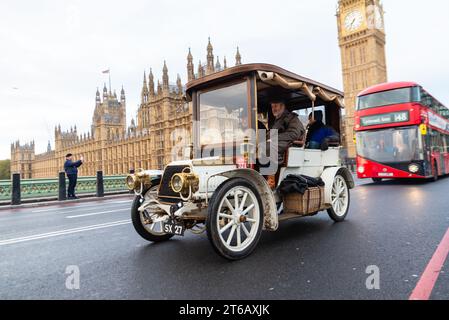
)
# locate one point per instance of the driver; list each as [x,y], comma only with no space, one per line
[289,128]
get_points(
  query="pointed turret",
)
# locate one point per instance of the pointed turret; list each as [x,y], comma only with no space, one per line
[159,87]
[151,83]
[210,59]
[179,84]
[97,98]
[190,67]
[200,70]
[238,58]
[144,95]
[218,64]
[105,92]
[122,95]
[165,84]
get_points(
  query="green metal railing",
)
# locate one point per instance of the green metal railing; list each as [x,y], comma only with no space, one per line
[41,188]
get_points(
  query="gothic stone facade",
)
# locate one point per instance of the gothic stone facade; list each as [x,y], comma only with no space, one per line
[162,131]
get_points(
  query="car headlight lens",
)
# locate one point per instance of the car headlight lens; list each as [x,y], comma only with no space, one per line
[361,169]
[131,182]
[177,183]
[413,168]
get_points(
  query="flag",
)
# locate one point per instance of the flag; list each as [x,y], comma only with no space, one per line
[105,71]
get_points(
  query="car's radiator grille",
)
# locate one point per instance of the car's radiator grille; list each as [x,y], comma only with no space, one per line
[166,194]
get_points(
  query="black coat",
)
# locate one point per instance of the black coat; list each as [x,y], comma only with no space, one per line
[71,167]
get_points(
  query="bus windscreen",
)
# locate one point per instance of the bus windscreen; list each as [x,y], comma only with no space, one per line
[387,98]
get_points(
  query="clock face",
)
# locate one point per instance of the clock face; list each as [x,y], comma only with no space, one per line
[353,20]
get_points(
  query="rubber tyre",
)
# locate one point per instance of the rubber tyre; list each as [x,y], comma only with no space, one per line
[211,226]
[137,223]
[331,212]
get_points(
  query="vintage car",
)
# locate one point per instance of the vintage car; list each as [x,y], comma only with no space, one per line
[220,187]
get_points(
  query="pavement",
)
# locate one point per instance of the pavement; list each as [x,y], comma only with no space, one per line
[395,226]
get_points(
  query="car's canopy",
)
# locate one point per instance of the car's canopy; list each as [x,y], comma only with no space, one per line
[274,83]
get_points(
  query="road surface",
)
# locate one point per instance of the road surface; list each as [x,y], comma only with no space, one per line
[395,227]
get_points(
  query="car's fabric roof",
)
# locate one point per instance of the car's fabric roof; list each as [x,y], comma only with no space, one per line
[273,75]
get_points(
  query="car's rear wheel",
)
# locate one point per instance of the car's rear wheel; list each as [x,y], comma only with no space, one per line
[235,219]
[340,198]
[142,220]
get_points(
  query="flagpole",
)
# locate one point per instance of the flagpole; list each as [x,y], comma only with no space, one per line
[110,92]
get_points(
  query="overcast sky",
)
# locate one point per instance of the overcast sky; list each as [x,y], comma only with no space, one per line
[52,52]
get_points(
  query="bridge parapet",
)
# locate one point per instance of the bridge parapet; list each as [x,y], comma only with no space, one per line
[48,188]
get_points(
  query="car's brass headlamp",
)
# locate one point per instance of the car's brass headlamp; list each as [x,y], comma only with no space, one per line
[182,182]
[135,181]
[131,181]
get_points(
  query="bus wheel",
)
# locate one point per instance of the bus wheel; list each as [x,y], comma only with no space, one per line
[377,180]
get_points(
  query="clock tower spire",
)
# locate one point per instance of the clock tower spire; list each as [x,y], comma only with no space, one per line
[361,37]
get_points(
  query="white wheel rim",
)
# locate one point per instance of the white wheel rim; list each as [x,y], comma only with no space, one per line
[238,219]
[339,196]
[153,228]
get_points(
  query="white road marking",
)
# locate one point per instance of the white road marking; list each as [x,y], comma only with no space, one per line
[64,232]
[94,213]
[80,206]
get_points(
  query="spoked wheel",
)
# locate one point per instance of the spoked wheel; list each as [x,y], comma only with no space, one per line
[235,219]
[142,221]
[340,199]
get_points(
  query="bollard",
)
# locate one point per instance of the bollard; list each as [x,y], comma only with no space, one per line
[62,194]
[131,171]
[15,194]
[100,184]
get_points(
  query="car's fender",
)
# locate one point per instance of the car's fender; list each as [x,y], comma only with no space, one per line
[328,177]
[271,221]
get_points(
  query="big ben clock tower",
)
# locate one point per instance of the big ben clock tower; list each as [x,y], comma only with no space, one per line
[361,37]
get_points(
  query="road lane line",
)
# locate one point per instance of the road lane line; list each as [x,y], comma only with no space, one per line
[80,206]
[95,213]
[426,283]
[76,209]
[64,232]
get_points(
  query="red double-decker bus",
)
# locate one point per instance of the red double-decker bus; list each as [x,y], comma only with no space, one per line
[401,132]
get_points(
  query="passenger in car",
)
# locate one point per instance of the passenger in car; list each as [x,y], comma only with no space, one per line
[288,125]
[318,134]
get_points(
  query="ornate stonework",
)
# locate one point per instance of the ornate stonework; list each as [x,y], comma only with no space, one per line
[361,36]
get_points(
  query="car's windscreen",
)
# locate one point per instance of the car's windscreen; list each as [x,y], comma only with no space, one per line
[223,115]
[387,98]
[389,145]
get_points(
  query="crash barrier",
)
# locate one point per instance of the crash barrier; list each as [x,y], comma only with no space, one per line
[16,190]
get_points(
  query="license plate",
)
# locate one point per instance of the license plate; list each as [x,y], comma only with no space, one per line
[172,227]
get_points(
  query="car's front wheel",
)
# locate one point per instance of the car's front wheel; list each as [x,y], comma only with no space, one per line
[235,219]
[143,221]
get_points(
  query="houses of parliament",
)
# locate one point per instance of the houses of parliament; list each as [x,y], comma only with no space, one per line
[163,125]
[164,118]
